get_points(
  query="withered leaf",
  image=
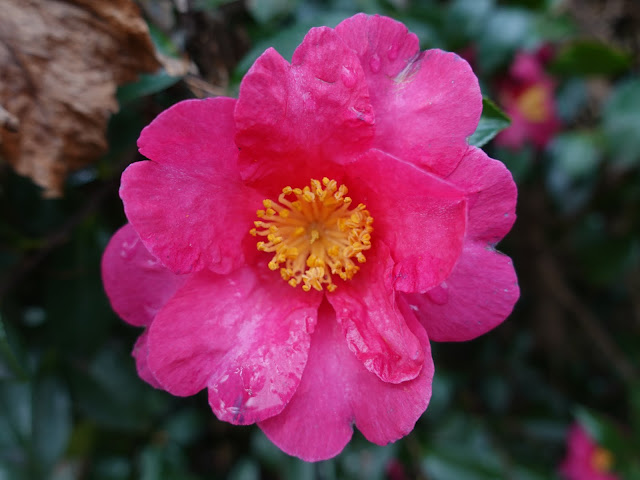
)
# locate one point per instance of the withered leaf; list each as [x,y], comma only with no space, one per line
[60,64]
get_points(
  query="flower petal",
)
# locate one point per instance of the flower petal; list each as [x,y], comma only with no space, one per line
[491,194]
[478,295]
[419,216]
[137,284]
[236,335]
[426,104]
[375,329]
[298,117]
[336,391]
[188,205]
[140,352]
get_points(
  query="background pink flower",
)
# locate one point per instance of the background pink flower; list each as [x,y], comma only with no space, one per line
[527,95]
[411,259]
[585,459]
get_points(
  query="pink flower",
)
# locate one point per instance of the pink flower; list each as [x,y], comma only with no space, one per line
[302,306]
[586,460]
[527,95]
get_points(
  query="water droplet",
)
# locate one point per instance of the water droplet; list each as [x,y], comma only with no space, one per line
[374,63]
[310,324]
[393,52]
[349,77]
[128,249]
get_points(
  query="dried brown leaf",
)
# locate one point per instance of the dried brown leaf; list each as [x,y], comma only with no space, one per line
[60,64]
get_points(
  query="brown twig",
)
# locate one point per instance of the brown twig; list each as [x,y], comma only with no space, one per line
[558,289]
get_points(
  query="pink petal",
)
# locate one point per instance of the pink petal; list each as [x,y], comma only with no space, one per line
[243,335]
[426,104]
[137,284]
[375,329]
[188,205]
[297,118]
[491,194]
[419,216]
[140,352]
[578,462]
[336,391]
[478,295]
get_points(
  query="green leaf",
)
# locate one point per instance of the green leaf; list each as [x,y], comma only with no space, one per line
[8,356]
[465,19]
[492,121]
[51,420]
[265,11]
[147,84]
[208,4]
[461,449]
[15,414]
[506,30]
[111,393]
[245,469]
[576,154]
[602,431]
[621,123]
[571,178]
[163,42]
[590,57]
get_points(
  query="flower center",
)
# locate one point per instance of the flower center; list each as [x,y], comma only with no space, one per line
[531,103]
[314,234]
[601,460]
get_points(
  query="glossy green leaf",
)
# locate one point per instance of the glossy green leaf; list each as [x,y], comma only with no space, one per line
[492,121]
[265,11]
[462,449]
[147,84]
[465,19]
[51,420]
[621,123]
[8,359]
[506,30]
[245,469]
[590,57]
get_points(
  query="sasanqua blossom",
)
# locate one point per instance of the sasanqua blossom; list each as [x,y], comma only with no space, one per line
[527,95]
[295,250]
[585,459]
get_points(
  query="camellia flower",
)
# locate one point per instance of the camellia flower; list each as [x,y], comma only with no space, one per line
[293,251]
[527,95]
[585,459]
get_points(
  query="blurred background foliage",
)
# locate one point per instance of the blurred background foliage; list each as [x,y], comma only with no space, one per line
[72,406]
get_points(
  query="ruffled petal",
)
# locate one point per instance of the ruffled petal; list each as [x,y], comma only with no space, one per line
[139,353]
[336,391]
[188,205]
[491,194]
[478,295]
[136,283]
[426,104]
[373,326]
[419,216]
[242,335]
[295,120]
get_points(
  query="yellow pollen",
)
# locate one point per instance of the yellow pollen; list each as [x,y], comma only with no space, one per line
[531,104]
[602,460]
[314,233]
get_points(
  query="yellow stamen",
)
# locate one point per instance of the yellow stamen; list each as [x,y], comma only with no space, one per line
[532,104]
[314,235]
[602,460]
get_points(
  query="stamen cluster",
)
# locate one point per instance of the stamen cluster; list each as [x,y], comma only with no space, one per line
[314,234]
